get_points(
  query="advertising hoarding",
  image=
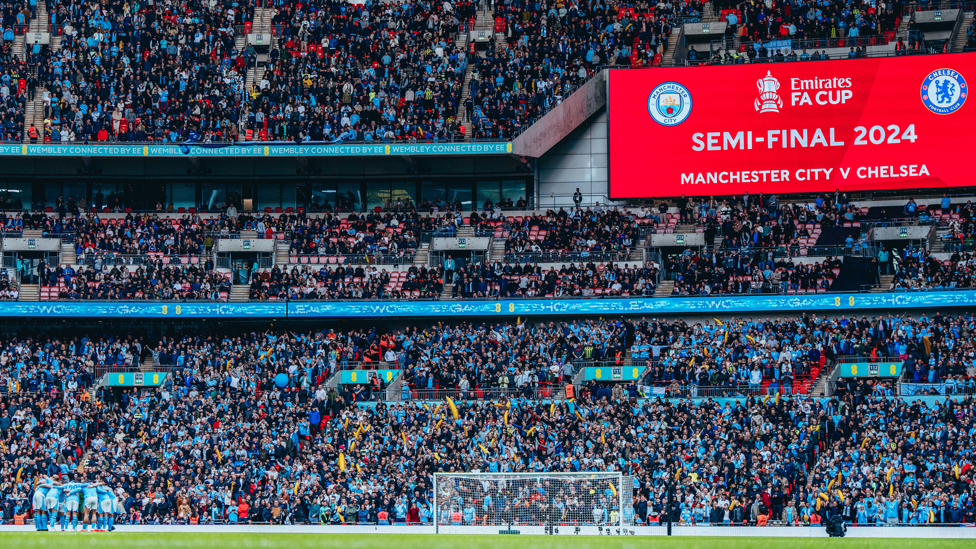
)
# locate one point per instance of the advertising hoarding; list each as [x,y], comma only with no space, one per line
[816,126]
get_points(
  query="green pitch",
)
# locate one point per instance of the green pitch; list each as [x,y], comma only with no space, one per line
[387,541]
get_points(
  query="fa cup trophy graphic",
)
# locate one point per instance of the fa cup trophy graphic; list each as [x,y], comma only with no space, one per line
[769,100]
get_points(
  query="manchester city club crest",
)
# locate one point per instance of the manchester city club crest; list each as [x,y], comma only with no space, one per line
[669,104]
[944,91]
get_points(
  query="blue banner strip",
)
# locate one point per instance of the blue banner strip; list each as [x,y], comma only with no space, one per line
[260,149]
[540,307]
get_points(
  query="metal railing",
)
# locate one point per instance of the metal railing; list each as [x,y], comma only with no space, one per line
[482,393]
[111,258]
[406,258]
[944,388]
[566,257]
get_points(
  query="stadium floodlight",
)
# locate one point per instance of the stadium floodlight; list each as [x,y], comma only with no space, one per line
[512,500]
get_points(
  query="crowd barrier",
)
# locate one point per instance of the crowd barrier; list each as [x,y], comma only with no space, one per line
[535,307]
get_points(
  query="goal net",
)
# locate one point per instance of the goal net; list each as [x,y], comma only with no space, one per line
[533,499]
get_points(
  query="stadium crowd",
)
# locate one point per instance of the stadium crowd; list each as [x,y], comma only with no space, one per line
[329,283]
[363,72]
[141,73]
[221,441]
[16,84]
[577,234]
[584,280]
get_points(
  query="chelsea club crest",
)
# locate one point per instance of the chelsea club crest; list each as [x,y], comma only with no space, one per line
[669,104]
[944,91]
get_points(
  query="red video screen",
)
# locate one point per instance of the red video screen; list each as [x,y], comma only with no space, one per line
[862,124]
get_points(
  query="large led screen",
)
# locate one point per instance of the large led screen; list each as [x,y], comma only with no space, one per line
[863,124]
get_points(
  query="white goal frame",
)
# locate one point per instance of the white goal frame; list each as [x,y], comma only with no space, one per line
[621,482]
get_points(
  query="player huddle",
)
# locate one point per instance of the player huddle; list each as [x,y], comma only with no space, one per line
[96,503]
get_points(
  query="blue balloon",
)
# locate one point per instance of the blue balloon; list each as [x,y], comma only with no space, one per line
[281,380]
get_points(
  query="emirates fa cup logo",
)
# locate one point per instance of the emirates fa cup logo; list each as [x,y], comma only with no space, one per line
[769,100]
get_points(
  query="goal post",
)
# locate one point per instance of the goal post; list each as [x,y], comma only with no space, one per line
[532,499]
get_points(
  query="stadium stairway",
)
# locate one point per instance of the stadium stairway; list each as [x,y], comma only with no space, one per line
[30,292]
[34,114]
[708,13]
[261,24]
[855,274]
[68,256]
[885,284]
[20,48]
[422,257]
[672,46]
[906,20]
[497,251]
[239,293]
[961,37]
[282,253]
[664,288]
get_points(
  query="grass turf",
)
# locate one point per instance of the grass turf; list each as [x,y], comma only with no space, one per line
[412,541]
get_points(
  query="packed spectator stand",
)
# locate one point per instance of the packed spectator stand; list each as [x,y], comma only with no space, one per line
[752,245]
[362,72]
[227,445]
[16,84]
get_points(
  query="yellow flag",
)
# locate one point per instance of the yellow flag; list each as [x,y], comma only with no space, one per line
[342,462]
[454,410]
[613,489]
